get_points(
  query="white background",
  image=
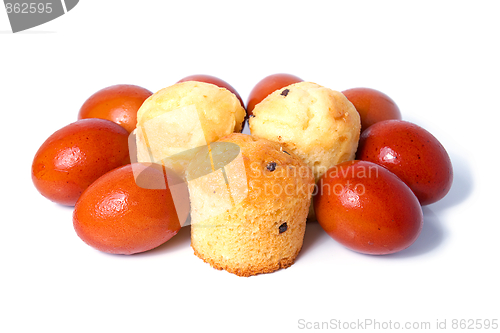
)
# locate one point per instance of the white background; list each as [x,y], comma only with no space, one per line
[439,60]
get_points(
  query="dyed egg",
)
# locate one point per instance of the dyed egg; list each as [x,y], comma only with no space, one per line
[75,156]
[118,103]
[268,85]
[413,154]
[116,215]
[372,105]
[367,208]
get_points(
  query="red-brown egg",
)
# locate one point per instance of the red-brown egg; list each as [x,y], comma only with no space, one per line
[413,154]
[372,105]
[76,155]
[367,208]
[268,85]
[118,103]
[116,215]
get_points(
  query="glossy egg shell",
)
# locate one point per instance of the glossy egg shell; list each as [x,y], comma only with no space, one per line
[115,215]
[367,208]
[413,154]
[268,85]
[118,103]
[75,156]
[372,105]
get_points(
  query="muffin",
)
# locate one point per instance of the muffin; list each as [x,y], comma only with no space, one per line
[318,124]
[249,203]
[175,121]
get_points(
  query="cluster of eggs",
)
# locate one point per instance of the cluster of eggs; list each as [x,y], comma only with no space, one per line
[370,205]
